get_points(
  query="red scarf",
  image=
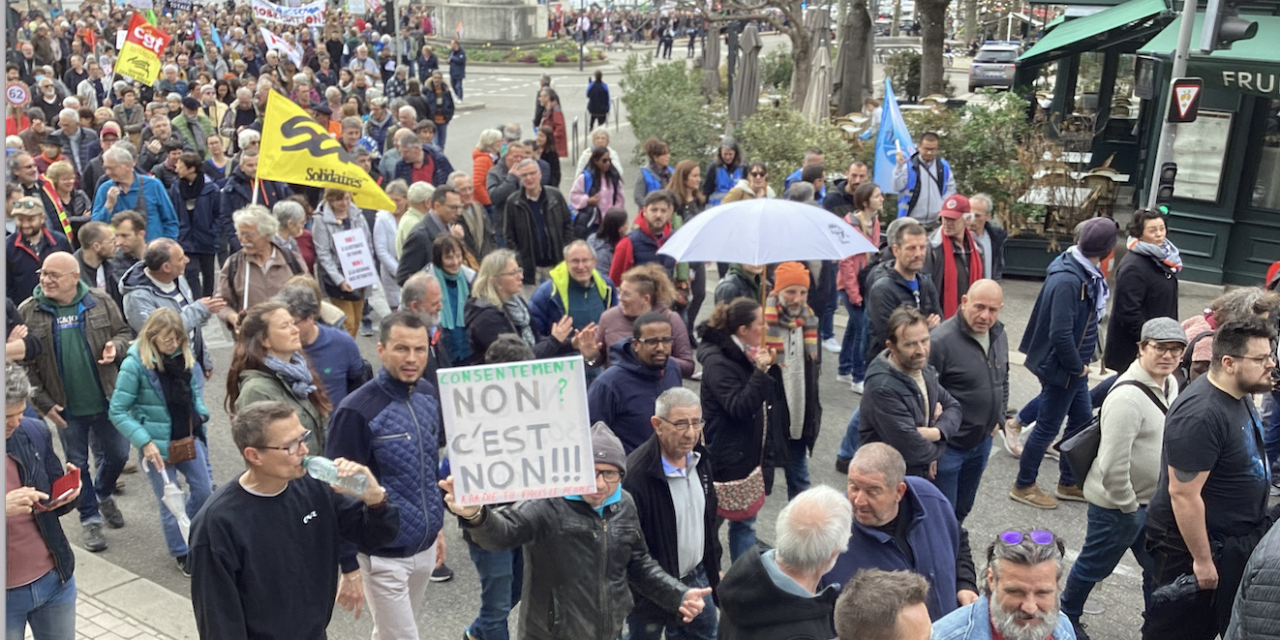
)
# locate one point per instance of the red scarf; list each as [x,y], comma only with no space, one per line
[951,301]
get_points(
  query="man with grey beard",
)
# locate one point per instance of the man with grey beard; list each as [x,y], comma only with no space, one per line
[1020,601]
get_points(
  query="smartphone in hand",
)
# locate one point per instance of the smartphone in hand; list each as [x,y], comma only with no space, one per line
[62,488]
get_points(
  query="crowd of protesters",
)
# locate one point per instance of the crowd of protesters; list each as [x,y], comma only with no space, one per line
[136,216]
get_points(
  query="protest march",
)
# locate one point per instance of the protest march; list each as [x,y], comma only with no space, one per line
[247,269]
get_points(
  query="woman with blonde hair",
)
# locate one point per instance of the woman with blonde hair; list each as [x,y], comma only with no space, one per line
[496,307]
[646,288]
[70,200]
[157,405]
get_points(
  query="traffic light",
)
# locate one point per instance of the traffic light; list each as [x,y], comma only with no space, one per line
[1164,183]
[1223,26]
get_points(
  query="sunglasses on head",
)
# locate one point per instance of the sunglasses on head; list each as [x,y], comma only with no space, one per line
[1014,537]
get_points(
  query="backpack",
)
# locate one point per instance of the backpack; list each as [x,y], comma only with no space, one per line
[865,279]
[1081,449]
[1183,373]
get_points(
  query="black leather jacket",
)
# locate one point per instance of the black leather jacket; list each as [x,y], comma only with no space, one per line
[577,565]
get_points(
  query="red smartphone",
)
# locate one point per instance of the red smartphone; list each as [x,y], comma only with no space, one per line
[62,487]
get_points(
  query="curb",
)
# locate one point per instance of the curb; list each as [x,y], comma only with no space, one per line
[134,596]
[467,106]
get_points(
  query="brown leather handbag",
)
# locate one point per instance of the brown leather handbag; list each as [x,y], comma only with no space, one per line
[182,449]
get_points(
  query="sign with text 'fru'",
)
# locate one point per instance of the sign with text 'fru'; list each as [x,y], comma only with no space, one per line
[517,431]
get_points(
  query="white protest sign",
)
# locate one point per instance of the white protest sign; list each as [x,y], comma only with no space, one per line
[518,431]
[357,261]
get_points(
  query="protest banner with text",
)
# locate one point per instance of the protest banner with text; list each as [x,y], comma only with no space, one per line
[518,431]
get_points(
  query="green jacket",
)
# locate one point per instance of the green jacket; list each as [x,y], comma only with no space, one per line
[138,407]
[258,385]
[198,139]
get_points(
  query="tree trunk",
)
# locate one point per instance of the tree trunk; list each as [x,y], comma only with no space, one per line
[932,15]
[802,61]
[971,28]
[894,29]
[853,51]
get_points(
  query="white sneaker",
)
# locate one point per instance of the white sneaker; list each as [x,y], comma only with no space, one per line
[831,345]
[856,387]
[844,377]
[1013,437]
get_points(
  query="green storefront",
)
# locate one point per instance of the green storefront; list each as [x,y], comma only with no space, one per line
[1114,67]
[1226,208]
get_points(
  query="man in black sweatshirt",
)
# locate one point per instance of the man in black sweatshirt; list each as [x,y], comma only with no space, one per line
[264,550]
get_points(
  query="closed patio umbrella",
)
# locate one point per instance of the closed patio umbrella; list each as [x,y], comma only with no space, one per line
[746,87]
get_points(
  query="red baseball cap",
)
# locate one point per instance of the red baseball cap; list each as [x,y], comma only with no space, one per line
[954,207]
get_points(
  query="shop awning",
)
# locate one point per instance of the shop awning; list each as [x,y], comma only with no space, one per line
[1250,66]
[1121,23]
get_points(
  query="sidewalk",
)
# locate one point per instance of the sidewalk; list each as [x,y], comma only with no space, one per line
[115,604]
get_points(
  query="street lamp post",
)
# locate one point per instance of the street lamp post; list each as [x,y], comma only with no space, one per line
[582,36]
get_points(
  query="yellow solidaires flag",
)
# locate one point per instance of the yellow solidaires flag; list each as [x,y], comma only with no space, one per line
[297,150]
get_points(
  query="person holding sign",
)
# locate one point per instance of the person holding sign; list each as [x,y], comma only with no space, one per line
[339,265]
[577,578]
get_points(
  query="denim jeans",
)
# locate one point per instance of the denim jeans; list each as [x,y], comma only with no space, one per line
[826,296]
[742,535]
[796,469]
[1271,433]
[75,442]
[442,134]
[852,361]
[1031,411]
[703,627]
[1110,533]
[501,573]
[852,439]
[46,604]
[199,487]
[1056,402]
[959,472]
[456,83]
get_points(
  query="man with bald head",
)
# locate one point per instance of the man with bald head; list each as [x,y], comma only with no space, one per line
[83,338]
[971,355]
[903,523]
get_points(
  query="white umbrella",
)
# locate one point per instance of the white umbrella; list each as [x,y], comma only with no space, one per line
[765,231]
[176,501]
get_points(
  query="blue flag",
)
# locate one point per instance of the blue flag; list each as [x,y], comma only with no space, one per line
[213,31]
[199,40]
[893,137]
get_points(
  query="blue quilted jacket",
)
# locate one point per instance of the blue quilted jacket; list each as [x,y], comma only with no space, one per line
[392,428]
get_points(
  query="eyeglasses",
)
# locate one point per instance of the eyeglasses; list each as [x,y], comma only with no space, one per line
[46,274]
[293,447]
[1013,537]
[653,342]
[609,475]
[1171,349]
[757,174]
[1262,360]
[685,425]
[513,272]
[1038,536]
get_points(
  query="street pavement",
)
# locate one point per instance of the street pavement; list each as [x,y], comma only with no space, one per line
[143,583]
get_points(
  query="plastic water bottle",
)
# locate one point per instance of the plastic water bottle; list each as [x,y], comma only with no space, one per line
[324,470]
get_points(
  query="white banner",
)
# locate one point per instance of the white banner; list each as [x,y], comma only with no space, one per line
[308,14]
[356,7]
[518,431]
[280,44]
[356,259]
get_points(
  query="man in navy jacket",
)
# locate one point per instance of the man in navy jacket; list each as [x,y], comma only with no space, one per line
[391,424]
[904,523]
[642,368]
[198,203]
